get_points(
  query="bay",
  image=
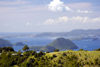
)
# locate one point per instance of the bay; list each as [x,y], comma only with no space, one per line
[86,44]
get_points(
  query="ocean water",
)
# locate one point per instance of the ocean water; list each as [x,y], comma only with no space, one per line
[29,41]
[86,44]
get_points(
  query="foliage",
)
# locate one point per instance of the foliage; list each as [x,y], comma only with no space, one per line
[25,48]
[61,43]
[81,49]
[54,59]
[56,50]
[19,53]
[6,49]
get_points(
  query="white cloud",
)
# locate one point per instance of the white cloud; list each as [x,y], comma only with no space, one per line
[96,19]
[74,19]
[63,19]
[79,19]
[49,21]
[84,11]
[57,20]
[68,9]
[58,5]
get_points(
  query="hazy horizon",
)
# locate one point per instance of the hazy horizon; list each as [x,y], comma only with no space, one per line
[49,31]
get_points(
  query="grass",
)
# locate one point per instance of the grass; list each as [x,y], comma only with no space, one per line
[84,58]
[54,59]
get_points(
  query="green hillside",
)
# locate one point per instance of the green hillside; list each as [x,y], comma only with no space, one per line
[67,59]
[62,43]
[54,59]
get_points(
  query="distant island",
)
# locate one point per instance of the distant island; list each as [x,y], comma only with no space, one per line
[77,34]
[19,44]
[74,34]
[5,43]
[59,43]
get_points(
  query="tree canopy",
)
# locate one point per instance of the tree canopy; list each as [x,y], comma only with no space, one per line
[25,48]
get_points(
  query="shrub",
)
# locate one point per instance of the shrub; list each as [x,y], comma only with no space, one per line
[25,48]
[81,49]
[54,55]
[56,50]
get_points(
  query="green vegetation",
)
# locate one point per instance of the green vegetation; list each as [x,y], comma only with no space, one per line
[56,50]
[25,48]
[6,49]
[61,43]
[30,58]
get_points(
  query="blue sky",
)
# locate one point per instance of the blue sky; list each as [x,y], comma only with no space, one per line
[48,15]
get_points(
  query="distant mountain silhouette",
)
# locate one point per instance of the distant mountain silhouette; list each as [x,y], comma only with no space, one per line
[77,34]
[60,43]
[73,35]
[5,43]
[19,44]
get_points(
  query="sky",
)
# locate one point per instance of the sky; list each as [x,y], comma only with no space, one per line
[49,15]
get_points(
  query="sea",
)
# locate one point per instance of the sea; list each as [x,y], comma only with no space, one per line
[86,44]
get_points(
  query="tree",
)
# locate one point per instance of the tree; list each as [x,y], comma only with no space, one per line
[41,53]
[6,49]
[19,53]
[56,50]
[81,49]
[25,48]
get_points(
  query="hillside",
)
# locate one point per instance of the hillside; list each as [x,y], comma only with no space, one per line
[76,58]
[4,43]
[55,59]
[61,44]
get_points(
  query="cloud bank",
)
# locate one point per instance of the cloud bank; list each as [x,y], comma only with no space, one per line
[74,19]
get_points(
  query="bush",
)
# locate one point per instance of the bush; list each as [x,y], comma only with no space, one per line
[25,48]
[54,55]
[56,50]
[6,49]
[81,49]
